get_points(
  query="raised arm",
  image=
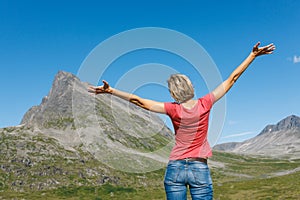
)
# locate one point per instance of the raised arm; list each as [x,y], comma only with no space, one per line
[147,104]
[224,87]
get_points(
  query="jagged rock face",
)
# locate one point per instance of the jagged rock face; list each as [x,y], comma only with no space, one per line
[56,107]
[281,139]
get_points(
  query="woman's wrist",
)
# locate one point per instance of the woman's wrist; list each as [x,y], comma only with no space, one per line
[252,55]
[110,90]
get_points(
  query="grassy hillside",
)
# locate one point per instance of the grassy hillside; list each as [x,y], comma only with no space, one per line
[234,176]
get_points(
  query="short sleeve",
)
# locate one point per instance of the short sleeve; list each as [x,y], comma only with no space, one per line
[169,108]
[208,100]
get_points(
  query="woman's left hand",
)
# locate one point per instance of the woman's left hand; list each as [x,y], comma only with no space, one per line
[258,51]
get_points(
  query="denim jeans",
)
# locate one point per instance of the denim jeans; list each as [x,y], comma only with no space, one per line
[183,173]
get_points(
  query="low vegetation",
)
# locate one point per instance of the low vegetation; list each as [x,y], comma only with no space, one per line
[65,175]
[246,177]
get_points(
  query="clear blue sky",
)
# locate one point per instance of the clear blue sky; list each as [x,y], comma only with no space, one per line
[39,38]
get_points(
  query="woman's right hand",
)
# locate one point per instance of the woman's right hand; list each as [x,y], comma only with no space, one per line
[105,88]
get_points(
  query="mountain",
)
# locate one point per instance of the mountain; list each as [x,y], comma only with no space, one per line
[281,139]
[77,138]
[101,123]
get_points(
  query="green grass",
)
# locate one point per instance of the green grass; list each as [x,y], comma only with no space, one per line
[104,192]
[246,177]
[283,187]
[90,192]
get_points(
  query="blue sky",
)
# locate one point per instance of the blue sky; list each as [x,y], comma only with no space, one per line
[39,38]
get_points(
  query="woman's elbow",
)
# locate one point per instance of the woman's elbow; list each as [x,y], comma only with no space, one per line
[139,103]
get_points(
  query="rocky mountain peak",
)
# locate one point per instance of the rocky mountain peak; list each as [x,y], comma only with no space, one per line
[287,123]
[56,105]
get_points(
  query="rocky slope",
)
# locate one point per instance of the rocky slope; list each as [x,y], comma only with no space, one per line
[74,137]
[281,139]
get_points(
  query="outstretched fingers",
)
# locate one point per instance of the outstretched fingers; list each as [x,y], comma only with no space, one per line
[269,48]
[92,89]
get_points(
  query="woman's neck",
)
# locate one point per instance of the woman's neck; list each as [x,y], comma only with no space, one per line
[189,103]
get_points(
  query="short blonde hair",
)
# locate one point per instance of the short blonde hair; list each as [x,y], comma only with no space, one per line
[180,87]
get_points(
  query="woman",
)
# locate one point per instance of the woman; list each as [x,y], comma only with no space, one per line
[188,159]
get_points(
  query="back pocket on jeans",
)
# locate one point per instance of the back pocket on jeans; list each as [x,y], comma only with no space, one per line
[202,176]
[171,174]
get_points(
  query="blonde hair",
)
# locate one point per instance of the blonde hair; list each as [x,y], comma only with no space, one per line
[180,87]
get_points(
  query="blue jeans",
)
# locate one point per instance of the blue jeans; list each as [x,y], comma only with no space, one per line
[183,173]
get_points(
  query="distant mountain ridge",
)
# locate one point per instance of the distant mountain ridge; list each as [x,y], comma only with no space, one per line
[286,124]
[281,139]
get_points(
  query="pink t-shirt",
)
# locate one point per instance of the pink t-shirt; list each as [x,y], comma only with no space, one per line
[191,126]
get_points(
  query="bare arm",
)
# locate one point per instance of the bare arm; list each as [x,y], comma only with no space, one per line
[224,87]
[147,104]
